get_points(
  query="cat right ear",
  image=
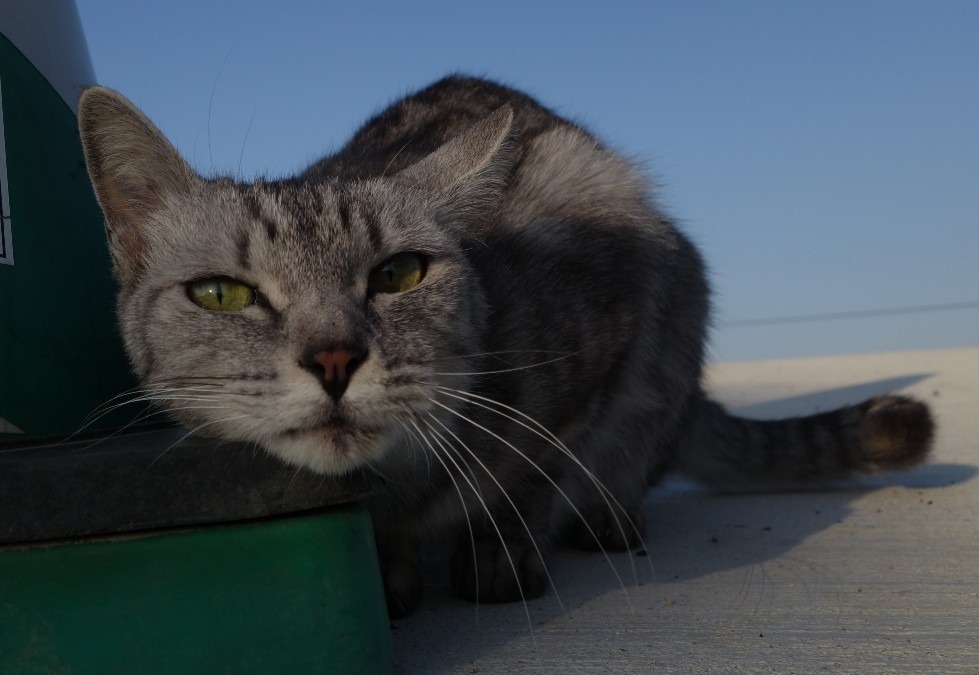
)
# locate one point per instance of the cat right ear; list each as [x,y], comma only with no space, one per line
[133,168]
[468,173]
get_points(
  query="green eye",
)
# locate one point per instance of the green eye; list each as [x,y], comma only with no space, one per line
[397,274]
[221,294]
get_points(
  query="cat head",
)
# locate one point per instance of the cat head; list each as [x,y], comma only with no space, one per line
[315,318]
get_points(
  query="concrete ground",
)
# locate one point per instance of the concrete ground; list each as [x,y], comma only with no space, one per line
[881,576]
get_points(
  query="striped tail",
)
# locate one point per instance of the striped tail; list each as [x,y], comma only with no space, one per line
[734,453]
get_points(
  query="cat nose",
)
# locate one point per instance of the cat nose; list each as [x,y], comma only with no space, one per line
[333,366]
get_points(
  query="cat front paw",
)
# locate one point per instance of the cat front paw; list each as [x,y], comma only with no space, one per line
[605,529]
[494,571]
[402,586]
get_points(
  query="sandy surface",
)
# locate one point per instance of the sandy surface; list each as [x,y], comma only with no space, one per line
[876,577]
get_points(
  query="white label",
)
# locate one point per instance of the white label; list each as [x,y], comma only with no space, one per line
[6,242]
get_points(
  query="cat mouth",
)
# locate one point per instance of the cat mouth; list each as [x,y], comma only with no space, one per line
[337,417]
[333,426]
[334,446]
[332,443]
[335,429]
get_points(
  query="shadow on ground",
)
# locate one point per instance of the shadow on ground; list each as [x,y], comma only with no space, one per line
[826,399]
[691,534]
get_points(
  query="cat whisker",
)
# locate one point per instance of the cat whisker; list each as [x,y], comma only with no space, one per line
[380,474]
[419,435]
[190,433]
[154,393]
[106,407]
[561,492]
[244,142]
[414,444]
[136,395]
[143,398]
[143,416]
[414,455]
[547,435]
[492,521]
[295,474]
[210,104]
[400,150]
[514,368]
[81,429]
[157,397]
[502,352]
[474,481]
[211,382]
[97,413]
[203,389]
[510,501]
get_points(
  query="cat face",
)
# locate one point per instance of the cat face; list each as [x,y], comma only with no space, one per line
[312,318]
[246,368]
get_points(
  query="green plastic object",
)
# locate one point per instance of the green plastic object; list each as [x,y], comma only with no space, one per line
[266,573]
[297,594]
[60,353]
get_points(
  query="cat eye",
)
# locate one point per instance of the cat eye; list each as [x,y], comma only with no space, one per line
[397,274]
[222,294]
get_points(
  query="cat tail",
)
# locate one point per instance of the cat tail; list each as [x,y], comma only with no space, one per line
[726,452]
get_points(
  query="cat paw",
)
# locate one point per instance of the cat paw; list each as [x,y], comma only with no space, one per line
[489,576]
[402,587]
[602,529]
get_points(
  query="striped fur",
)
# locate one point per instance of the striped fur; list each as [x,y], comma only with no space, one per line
[544,372]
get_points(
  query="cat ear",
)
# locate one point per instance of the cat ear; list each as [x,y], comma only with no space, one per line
[133,168]
[471,169]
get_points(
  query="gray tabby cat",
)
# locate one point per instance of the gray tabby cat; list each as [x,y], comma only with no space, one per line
[476,300]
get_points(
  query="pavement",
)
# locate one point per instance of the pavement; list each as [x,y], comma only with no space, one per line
[880,575]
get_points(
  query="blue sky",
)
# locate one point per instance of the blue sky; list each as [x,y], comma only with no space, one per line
[825,156]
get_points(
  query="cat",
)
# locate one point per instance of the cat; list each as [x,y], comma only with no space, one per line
[474,299]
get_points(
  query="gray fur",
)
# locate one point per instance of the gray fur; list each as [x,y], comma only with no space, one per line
[561,314]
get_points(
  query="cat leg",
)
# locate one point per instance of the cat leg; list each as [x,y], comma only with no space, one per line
[486,568]
[499,558]
[604,528]
[609,515]
[401,572]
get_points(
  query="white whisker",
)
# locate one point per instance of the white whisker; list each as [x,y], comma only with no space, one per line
[502,352]
[465,510]
[191,433]
[506,495]
[142,395]
[557,487]
[546,434]
[499,533]
[96,412]
[513,369]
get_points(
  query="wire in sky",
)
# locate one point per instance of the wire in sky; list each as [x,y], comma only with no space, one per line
[855,314]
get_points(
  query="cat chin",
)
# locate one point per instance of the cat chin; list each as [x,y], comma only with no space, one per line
[327,450]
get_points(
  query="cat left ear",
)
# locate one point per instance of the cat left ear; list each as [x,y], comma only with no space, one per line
[133,168]
[472,168]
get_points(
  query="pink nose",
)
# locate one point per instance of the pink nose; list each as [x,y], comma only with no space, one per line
[333,367]
[334,364]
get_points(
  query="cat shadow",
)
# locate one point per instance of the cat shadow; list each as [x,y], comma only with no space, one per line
[691,533]
[813,402]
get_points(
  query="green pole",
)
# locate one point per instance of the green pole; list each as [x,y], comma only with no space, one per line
[147,553]
[60,353]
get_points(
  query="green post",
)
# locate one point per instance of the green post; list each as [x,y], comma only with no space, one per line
[60,353]
[144,553]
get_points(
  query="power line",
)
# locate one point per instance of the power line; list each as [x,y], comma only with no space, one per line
[855,314]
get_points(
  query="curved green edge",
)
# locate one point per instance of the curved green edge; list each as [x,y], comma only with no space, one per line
[290,595]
